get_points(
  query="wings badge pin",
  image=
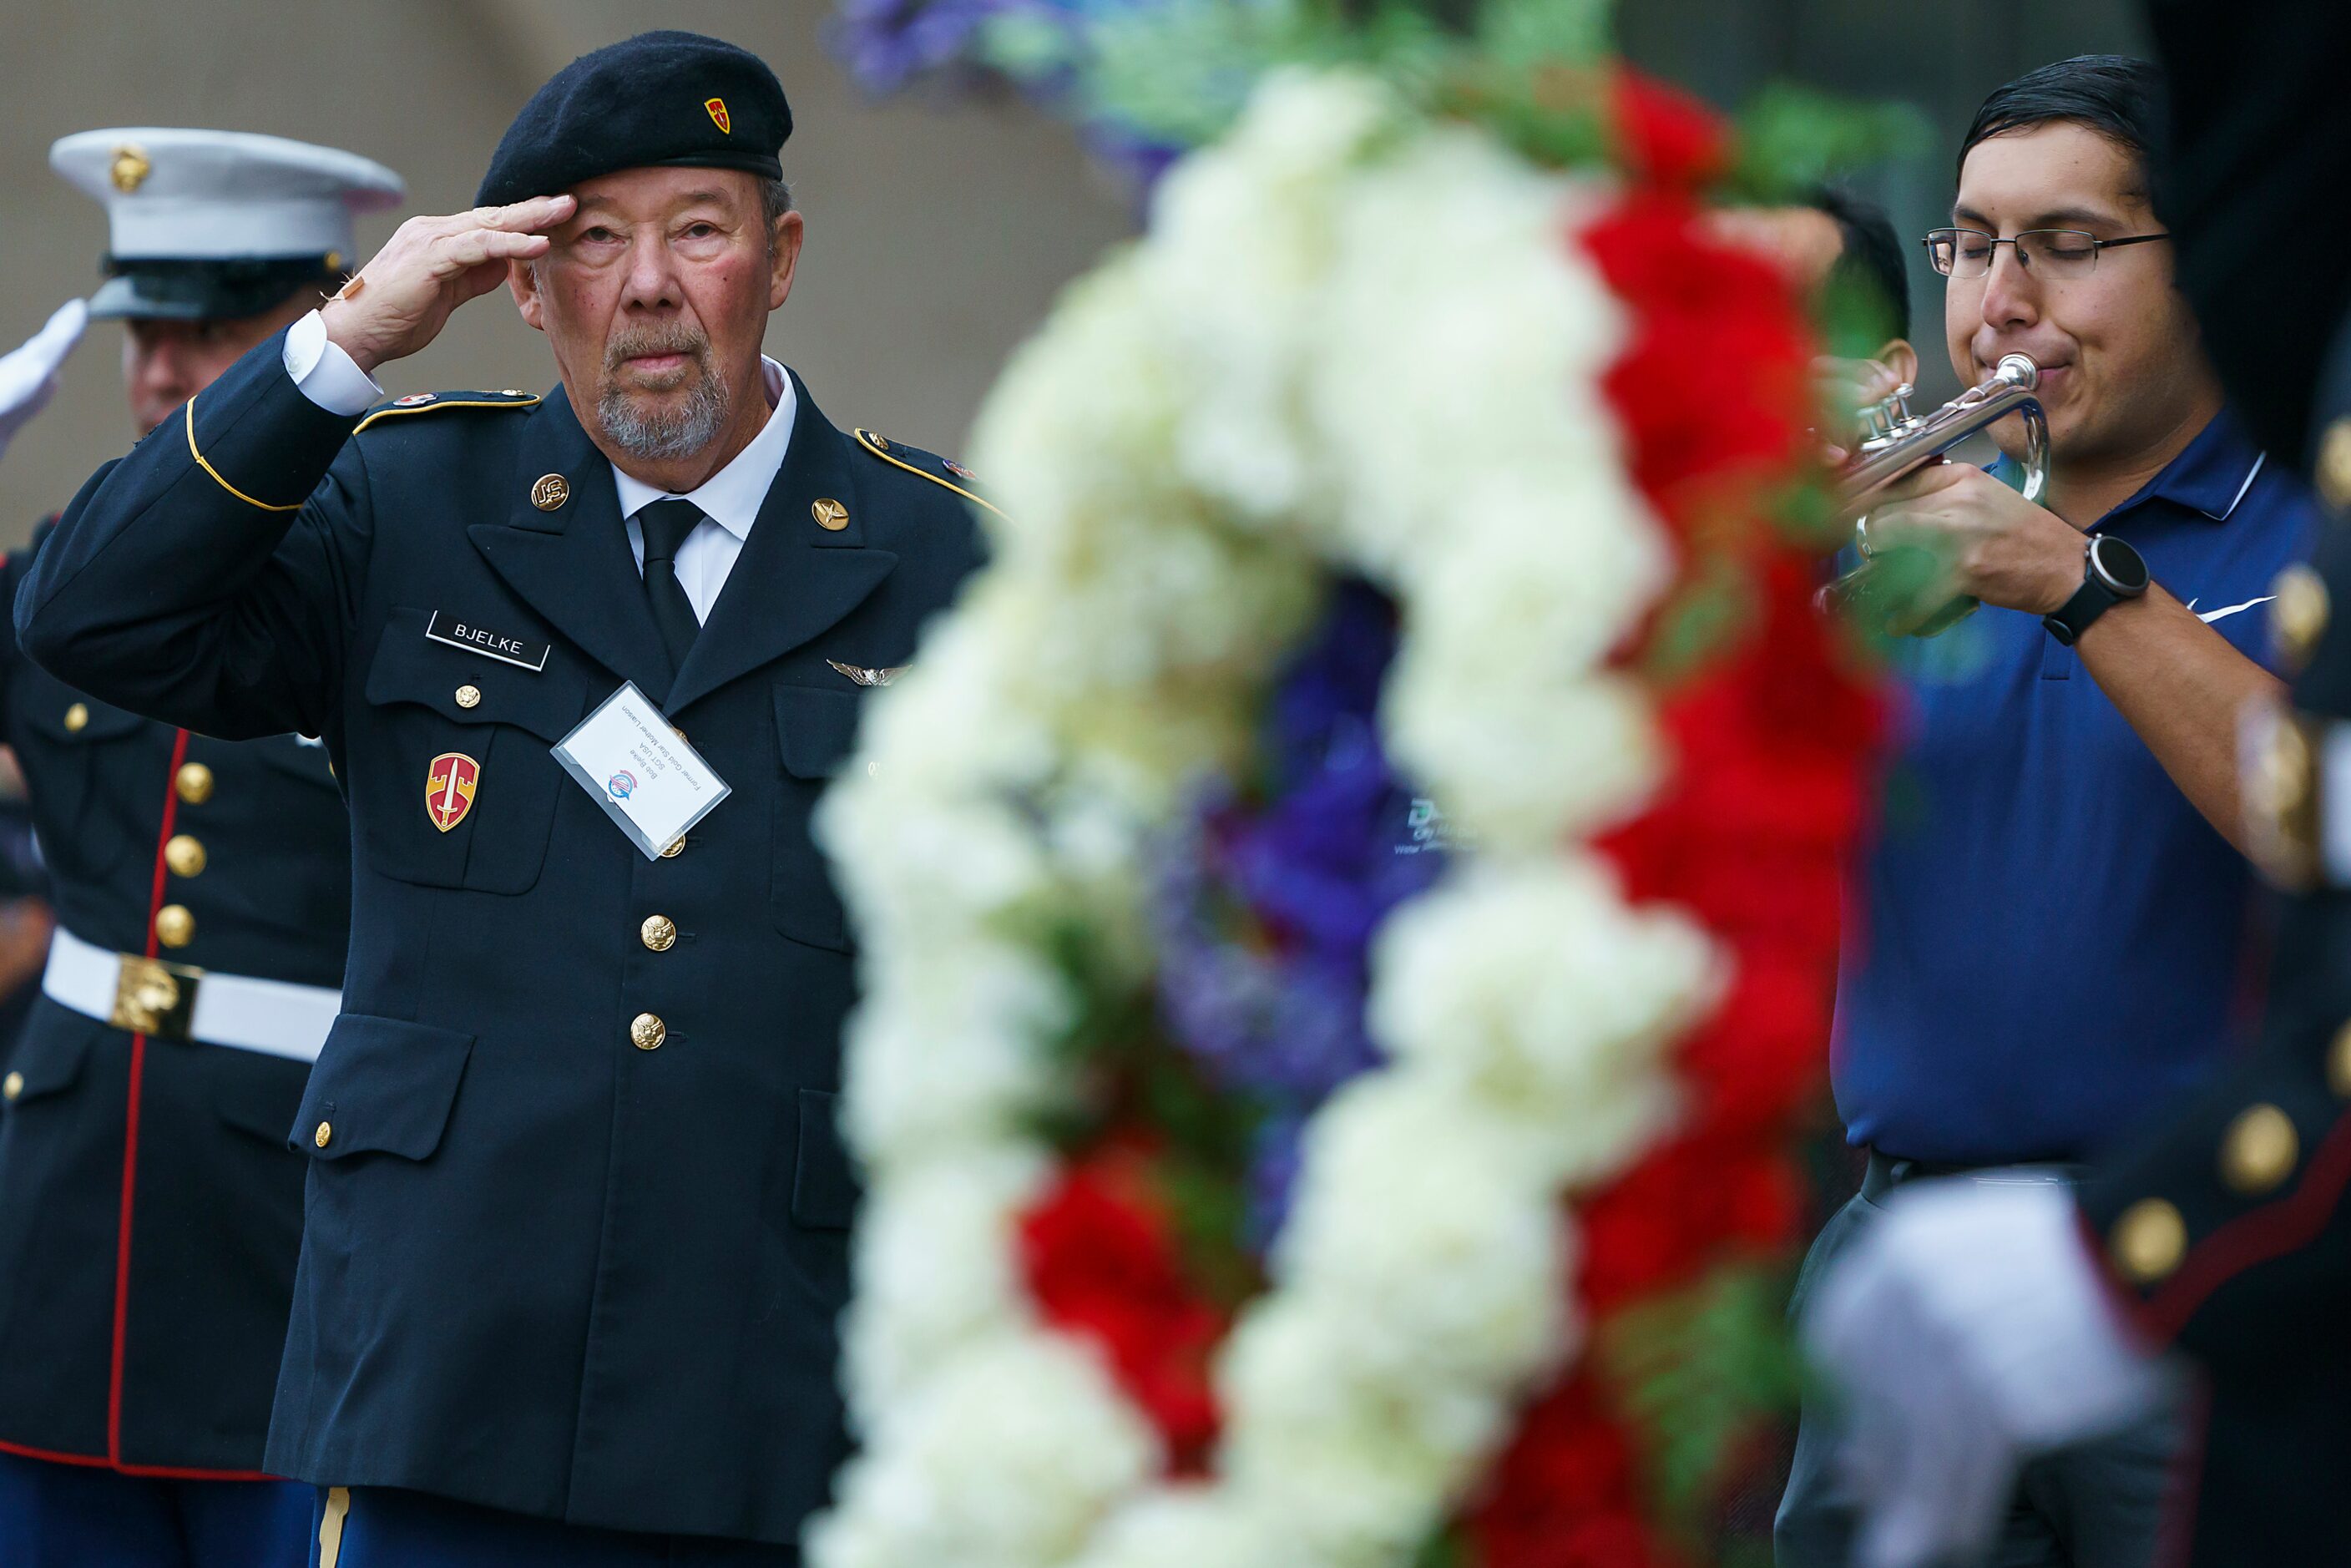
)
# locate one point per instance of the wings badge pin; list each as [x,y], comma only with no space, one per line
[865,678]
[449,786]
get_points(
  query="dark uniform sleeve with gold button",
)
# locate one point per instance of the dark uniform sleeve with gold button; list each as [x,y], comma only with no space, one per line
[224,537]
[2225,1230]
[2229,1218]
[609,1079]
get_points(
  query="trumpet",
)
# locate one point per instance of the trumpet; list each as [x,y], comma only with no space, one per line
[1898,441]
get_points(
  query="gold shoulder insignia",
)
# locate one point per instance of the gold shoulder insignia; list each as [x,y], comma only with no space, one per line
[940,471]
[429,403]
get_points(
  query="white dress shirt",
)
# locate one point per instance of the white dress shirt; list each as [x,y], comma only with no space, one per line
[729,499]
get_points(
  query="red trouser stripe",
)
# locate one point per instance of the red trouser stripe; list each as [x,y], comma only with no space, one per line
[112,1458]
[130,1125]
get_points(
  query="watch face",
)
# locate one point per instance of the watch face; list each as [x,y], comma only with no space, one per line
[2118,565]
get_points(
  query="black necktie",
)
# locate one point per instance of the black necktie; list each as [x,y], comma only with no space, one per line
[666,526]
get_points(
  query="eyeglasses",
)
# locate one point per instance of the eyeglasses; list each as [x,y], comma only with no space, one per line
[2054,253]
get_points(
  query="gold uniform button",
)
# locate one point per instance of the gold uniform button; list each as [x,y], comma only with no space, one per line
[469,696]
[324,1134]
[185,855]
[2259,1151]
[194,783]
[2299,619]
[2338,1064]
[174,926]
[646,1031]
[77,717]
[660,932]
[2334,463]
[12,1085]
[2149,1240]
[677,845]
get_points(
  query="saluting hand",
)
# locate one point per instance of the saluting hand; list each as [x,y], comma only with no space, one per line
[401,299]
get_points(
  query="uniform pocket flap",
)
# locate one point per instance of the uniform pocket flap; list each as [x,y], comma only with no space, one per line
[468,688]
[816,729]
[381,1086]
[824,1184]
[50,1052]
[76,720]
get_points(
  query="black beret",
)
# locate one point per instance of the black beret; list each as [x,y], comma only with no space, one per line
[667,98]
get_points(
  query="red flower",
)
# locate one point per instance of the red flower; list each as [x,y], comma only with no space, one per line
[1664,135]
[1703,446]
[1102,1264]
[1764,797]
[1565,1493]
[1686,1207]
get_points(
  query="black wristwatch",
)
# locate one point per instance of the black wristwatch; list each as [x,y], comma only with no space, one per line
[2113,573]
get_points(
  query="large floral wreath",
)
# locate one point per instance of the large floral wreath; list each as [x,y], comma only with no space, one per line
[1348,899]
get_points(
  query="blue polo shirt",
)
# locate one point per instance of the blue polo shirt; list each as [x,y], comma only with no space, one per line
[2050,940]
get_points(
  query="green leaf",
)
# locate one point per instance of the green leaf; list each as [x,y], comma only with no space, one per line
[1792,139]
[1694,1373]
[1523,34]
[1444,1548]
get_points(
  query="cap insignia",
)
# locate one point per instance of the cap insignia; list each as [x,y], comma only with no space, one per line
[413,399]
[130,168]
[717,107]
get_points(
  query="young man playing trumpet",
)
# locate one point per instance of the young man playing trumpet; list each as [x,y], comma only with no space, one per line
[2049,938]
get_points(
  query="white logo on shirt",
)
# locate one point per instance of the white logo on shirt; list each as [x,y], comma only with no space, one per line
[2208,616]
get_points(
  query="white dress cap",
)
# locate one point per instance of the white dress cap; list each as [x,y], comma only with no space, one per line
[218,195]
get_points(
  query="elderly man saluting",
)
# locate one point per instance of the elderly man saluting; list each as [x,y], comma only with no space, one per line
[577,1223]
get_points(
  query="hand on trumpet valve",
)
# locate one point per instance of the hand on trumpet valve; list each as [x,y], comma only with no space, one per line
[1848,393]
[1976,537]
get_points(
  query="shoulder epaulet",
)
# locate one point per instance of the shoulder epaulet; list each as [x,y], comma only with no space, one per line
[431,403]
[942,471]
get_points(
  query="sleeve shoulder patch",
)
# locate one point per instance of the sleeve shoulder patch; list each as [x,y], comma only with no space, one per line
[431,403]
[942,471]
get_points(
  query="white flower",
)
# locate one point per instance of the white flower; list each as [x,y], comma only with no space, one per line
[1196,1528]
[935,1271]
[1534,988]
[1008,1459]
[1352,341]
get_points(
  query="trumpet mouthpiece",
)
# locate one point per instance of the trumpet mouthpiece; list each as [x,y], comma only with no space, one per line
[2017,370]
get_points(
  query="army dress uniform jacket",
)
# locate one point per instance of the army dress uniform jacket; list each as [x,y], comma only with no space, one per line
[577,1223]
[150,1212]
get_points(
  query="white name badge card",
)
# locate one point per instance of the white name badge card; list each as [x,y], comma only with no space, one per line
[641,770]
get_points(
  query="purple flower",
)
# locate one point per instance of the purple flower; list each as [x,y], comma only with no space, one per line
[886,44]
[1265,905]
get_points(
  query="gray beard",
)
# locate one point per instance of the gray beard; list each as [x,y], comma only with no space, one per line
[663,435]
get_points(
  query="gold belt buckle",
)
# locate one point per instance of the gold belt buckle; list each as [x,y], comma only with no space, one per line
[154,999]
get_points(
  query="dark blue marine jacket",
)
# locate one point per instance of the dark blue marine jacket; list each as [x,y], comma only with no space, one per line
[555,1259]
[149,1213]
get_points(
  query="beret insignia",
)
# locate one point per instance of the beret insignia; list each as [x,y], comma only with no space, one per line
[717,107]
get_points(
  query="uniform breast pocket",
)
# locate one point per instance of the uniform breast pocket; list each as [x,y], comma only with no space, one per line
[452,781]
[91,781]
[815,731]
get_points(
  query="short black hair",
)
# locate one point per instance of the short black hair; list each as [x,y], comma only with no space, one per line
[1869,258]
[2120,98]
